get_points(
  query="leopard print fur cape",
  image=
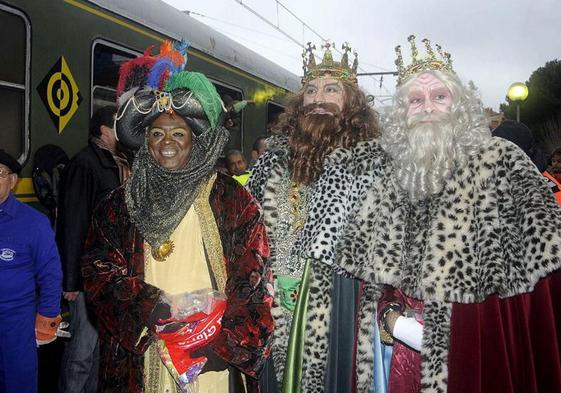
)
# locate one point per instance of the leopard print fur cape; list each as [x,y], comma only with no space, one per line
[494,229]
[347,173]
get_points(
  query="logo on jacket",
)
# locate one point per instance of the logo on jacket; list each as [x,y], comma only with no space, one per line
[7,254]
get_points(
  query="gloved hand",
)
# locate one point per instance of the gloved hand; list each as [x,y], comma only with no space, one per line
[213,363]
[47,329]
[161,312]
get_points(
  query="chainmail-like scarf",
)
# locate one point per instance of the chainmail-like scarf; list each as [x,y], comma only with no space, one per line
[157,198]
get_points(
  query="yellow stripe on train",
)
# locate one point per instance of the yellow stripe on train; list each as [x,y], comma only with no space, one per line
[24,190]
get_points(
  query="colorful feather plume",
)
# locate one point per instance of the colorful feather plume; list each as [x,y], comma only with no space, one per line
[165,71]
[153,70]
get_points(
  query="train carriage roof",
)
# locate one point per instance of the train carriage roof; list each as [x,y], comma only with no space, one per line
[167,20]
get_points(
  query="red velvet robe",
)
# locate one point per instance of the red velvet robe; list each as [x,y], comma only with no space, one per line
[113,270]
[510,345]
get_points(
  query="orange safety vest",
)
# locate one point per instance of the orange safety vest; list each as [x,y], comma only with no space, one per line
[554,185]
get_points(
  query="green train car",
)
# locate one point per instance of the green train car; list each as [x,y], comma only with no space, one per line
[61,60]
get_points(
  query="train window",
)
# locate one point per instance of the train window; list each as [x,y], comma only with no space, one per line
[106,60]
[234,121]
[273,112]
[14,82]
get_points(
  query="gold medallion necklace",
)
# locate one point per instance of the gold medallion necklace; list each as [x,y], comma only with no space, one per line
[161,253]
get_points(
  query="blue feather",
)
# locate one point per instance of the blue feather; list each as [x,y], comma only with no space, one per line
[181,47]
[157,70]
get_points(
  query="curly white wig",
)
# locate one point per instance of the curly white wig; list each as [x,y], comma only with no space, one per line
[426,155]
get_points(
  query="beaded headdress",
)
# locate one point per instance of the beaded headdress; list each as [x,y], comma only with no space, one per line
[152,84]
[329,68]
[431,62]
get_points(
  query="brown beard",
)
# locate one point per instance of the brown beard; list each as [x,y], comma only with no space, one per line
[314,137]
[357,122]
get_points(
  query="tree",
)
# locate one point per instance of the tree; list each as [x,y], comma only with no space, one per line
[542,110]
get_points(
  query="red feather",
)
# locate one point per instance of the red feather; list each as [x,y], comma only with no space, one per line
[134,72]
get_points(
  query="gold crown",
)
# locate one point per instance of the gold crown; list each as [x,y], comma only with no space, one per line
[429,63]
[328,68]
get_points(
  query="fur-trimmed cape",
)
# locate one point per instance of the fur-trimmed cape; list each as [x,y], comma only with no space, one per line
[338,189]
[492,233]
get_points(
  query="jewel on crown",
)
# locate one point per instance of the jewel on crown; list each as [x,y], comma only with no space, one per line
[431,62]
[329,68]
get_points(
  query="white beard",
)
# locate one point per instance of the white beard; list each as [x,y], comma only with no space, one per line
[428,157]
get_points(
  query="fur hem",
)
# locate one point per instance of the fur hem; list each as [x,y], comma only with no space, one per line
[316,342]
[434,350]
[365,345]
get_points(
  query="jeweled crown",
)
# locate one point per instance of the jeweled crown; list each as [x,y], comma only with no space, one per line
[429,63]
[329,68]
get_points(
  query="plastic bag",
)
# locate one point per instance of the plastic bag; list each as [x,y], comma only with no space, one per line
[196,319]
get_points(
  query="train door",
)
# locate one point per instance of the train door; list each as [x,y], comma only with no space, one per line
[15,39]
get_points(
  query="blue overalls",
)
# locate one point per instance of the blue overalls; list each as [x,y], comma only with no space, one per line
[30,283]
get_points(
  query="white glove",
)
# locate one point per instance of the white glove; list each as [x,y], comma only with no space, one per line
[409,331]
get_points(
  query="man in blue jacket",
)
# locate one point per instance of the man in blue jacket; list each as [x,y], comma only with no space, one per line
[30,289]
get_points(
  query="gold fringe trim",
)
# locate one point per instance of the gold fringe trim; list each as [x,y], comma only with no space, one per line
[211,236]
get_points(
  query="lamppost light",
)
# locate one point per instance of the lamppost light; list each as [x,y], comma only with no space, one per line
[517,92]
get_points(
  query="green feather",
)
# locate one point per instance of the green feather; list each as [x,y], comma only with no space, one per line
[203,90]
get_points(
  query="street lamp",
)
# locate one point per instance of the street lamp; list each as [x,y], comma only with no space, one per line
[517,92]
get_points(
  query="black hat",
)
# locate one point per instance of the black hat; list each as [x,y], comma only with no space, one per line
[9,161]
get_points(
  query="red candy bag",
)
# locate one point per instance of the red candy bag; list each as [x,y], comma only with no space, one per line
[196,321]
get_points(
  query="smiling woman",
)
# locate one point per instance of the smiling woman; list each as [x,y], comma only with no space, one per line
[179,227]
[170,141]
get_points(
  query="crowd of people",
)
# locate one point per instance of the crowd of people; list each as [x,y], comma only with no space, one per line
[417,253]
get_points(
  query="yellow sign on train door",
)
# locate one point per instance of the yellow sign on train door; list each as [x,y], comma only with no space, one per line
[60,94]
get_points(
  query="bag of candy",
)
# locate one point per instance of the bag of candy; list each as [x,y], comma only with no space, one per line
[195,321]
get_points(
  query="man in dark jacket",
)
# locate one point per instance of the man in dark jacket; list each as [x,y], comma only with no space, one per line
[90,176]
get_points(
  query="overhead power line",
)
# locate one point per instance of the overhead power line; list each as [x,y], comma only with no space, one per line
[300,20]
[304,24]
[240,2]
[197,14]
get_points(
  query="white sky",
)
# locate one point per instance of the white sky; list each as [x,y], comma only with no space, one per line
[492,42]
